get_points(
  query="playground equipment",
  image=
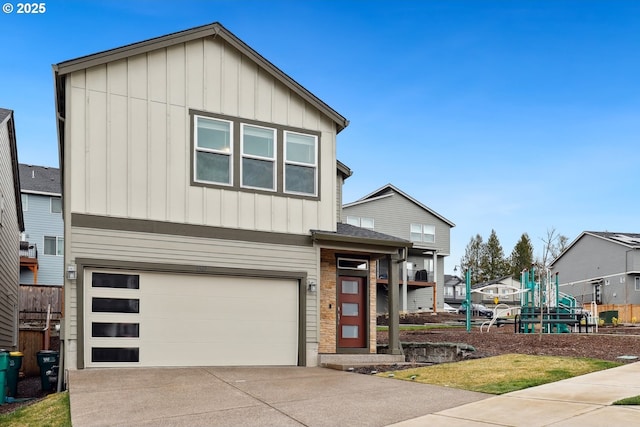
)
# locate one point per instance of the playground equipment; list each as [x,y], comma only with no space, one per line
[544,306]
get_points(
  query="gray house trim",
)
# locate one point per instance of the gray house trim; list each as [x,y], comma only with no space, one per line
[190,230]
[301,277]
[381,193]
[6,117]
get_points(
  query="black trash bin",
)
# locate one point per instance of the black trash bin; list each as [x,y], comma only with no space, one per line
[13,373]
[48,363]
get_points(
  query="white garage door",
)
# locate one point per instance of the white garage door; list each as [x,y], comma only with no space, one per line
[155,319]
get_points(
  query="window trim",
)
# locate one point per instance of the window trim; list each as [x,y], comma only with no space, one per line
[196,149]
[637,283]
[24,197]
[422,233]
[286,162]
[59,245]
[236,153]
[274,160]
[51,199]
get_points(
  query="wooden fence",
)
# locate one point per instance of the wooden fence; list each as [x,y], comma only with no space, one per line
[626,312]
[34,300]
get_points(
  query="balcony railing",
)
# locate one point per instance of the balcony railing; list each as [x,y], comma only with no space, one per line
[28,250]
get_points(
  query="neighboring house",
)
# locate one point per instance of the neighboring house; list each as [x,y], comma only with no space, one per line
[201,199]
[42,243]
[455,290]
[505,294]
[11,225]
[391,211]
[602,267]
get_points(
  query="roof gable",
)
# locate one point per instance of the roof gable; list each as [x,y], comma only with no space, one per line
[629,240]
[389,190]
[211,30]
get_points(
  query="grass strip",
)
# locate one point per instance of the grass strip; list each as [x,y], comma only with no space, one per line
[52,411]
[635,400]
[502,374]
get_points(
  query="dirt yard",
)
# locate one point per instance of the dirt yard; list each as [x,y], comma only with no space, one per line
[608,344]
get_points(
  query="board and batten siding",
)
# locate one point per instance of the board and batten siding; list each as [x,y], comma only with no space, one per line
[116,245]
[41,222]
[128,139]
[394,215]
[9,246]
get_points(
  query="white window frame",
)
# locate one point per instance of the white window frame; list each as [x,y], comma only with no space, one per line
[25,202]
[637,283]
[273,160]
[197,149]
[295,163]
[362,223]
[59,245]
[353,220]
[51,199]
[421,229]
[359,221]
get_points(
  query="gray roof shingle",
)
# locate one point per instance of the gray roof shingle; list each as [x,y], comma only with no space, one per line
[39,178]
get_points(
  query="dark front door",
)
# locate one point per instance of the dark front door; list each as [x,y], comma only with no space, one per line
[352,309]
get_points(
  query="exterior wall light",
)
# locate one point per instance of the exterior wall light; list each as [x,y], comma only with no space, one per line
[71,272]
[311,286]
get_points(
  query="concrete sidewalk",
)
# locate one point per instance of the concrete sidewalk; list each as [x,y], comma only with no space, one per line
[250,396]
[580,401]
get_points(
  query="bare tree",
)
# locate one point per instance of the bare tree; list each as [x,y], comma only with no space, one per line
[554,245]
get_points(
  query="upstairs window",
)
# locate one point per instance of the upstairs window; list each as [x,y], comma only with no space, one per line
[301,167]
[423,233]
[213,150]
[361,222]
[258,157]
[56,205]
[53,245]
[255,157]
[25,202]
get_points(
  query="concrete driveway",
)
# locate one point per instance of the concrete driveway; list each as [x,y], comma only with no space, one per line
[250,396]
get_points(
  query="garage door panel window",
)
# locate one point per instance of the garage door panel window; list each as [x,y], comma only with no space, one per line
[113,280]
[115,330]
[115,354]
[115,305]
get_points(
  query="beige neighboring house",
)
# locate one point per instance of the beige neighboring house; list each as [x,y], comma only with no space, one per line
[202,200]
[11,226]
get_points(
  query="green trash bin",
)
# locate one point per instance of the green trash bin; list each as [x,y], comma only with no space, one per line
[15,363]
[4,365]
[48,363]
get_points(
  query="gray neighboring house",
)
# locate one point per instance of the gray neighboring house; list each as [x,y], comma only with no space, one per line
[602,266]
[11,225]
[391,211]
[455,290]
[42,243]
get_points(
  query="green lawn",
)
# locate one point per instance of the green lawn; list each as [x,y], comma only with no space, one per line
[502,374]
[52,411]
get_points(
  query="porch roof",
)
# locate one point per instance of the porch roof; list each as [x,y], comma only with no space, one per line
[346,233]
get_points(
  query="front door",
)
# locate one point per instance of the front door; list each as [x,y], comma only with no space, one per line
[352,309]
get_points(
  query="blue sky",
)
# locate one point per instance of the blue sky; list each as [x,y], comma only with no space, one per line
[517,116]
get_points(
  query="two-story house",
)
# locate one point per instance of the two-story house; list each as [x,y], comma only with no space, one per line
[201,202]
[391,211]
[42,243]
[601,267]
[11,225]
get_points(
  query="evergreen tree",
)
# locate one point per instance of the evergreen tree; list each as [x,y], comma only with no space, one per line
[521,256]
[472,257]
[492,262]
